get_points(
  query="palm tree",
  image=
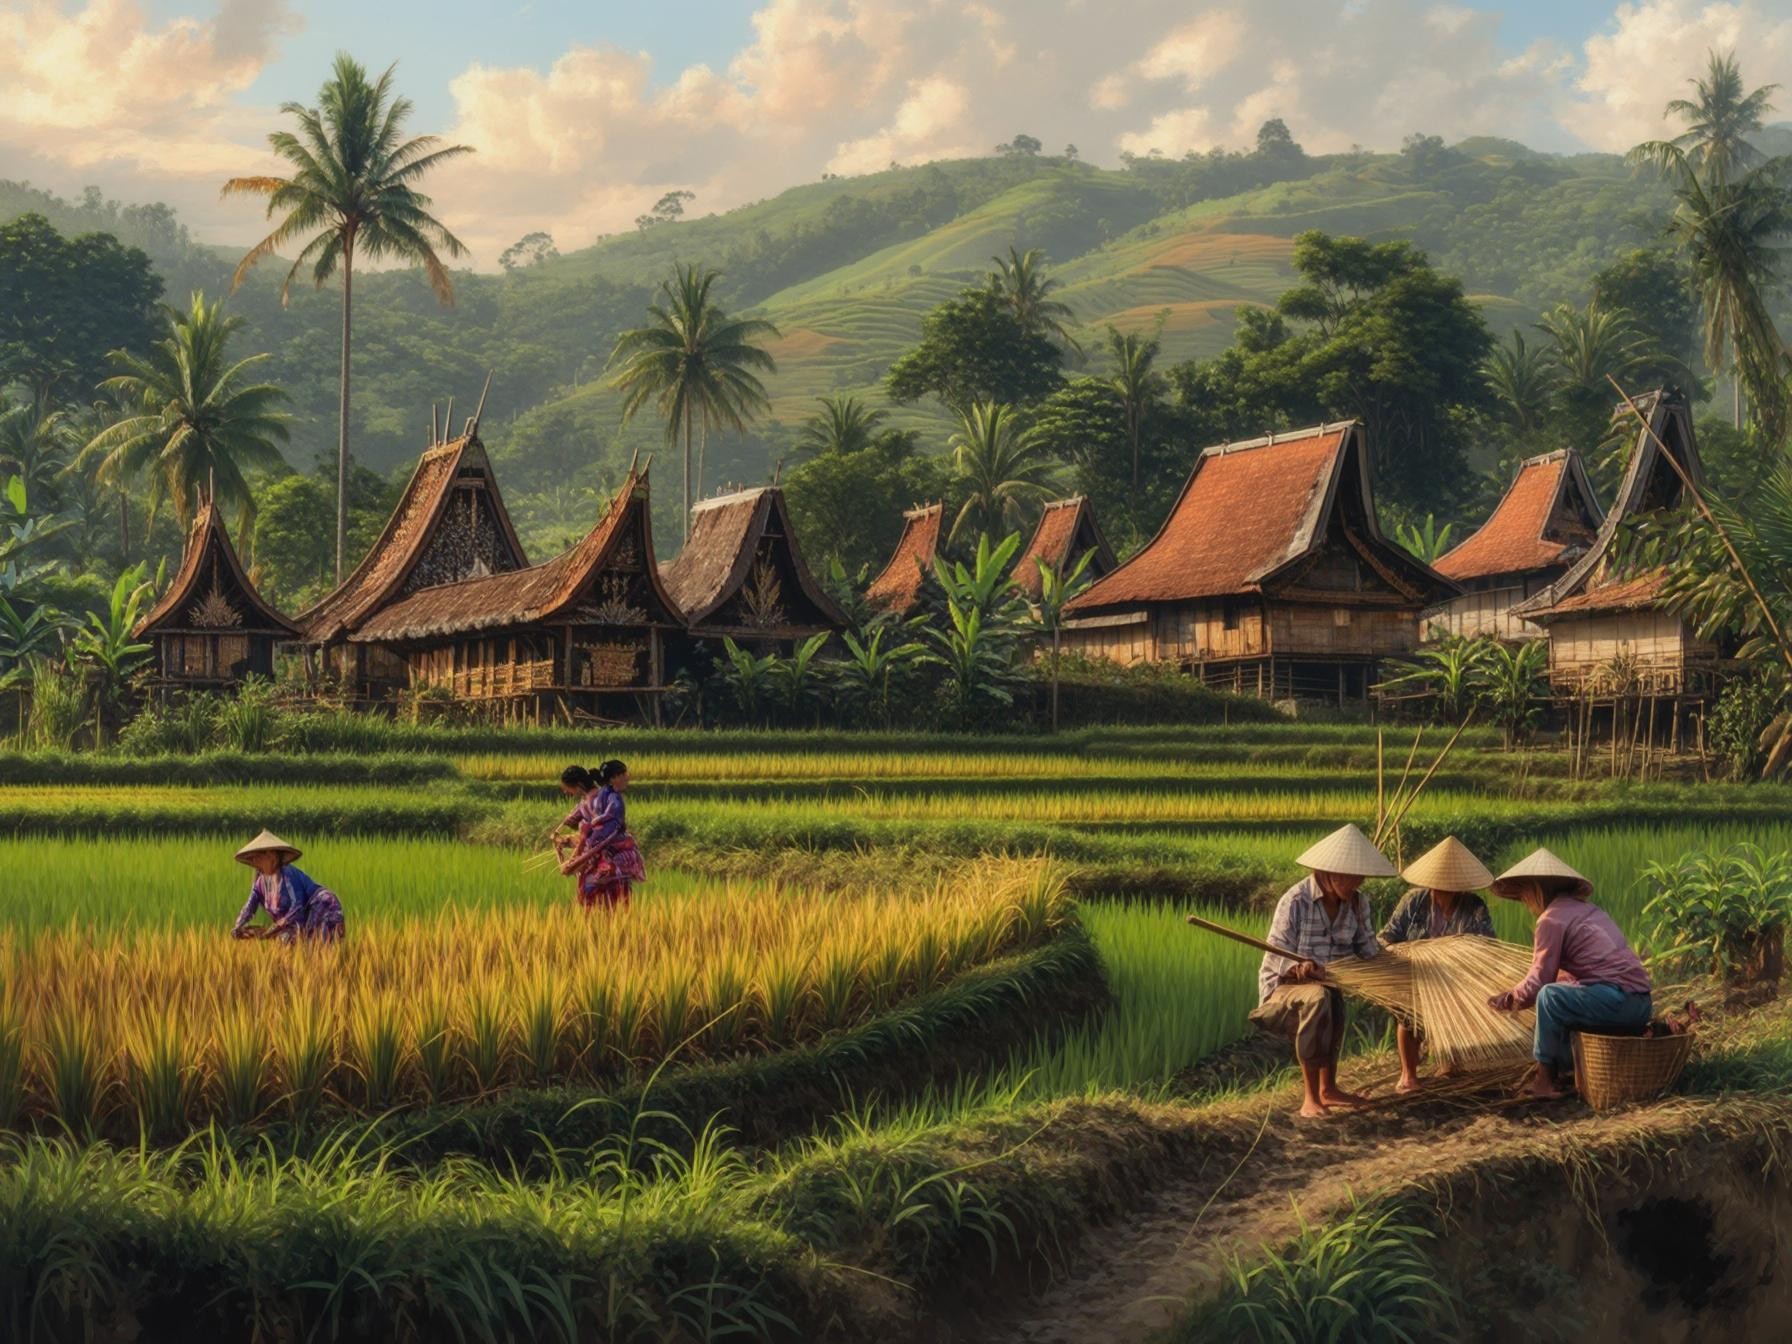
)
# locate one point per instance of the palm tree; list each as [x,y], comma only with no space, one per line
[1718,123]
[352,190]
[1521,379]
[1021,282]
[1587,344]
[1005,472]
[34,439]
[192,420]
[1135,383]
[695,363]
[842,425]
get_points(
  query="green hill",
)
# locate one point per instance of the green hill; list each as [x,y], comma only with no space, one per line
[847,268]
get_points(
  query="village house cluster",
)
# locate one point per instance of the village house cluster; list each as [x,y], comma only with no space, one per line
[1270,577]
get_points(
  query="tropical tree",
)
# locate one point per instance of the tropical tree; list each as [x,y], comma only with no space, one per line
[1587,346]
[1135,384]
[34,442]
[1056,587]
[352,191]
[1003,470]
[1509,683]
[867,674]
[192,420]
[107,644]
[698,366]
[1719,122]
[842,425]
[1020,281]
[1522,380]
[1445,673]
[1427,541]
[749,678]
[798,678]
[983,585]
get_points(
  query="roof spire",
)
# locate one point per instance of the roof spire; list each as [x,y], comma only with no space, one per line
[479,410]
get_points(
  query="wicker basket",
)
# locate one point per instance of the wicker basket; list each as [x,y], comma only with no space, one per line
[1612,1070]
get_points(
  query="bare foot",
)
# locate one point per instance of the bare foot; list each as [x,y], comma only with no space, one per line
[1540,1087]
[1337,1096]
[1313,1110]
[1409,1082]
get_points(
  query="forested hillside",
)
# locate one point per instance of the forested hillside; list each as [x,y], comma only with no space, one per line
[847,268]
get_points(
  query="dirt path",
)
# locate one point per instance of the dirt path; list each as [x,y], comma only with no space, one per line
[1133,1278]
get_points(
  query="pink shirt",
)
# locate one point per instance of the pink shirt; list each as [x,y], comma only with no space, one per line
[1578,942]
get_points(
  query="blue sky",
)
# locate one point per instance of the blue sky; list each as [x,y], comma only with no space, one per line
[583,114]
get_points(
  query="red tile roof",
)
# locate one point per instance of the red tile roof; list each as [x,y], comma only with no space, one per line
[898,588]
[1517,538]
[1247,510]
[1056,541]
[381,574]
[517,597]
[208,538]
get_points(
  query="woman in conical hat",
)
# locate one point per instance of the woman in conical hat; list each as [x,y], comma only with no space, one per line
[1440,903]
[297,906]
[1584,974]
[1322,917]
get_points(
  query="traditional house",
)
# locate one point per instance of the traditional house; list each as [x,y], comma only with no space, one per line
[587,627]
[741,575]
[1270,576]
[1067,529]
[1545,523]
[897,589]
[1608,633]
[211,627]
[450,524]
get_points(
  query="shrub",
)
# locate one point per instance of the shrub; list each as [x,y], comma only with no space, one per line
[1743,710]
[59,705]
[1094,691]
[1727,911]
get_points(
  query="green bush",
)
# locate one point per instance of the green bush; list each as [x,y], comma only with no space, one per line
[1094,691]
[1743,710]
[1724,912]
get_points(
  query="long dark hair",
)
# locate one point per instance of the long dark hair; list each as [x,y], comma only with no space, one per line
[578,777]
[608,771]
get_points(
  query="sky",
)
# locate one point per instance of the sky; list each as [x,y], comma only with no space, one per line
[582,114]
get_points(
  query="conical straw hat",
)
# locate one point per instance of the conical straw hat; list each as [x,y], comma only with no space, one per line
[264,842]
[1347,850]
[1448,866]
[1540,863]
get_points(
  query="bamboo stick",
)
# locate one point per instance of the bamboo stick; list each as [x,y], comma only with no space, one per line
[1381,808]
[1420,786]
[1244,938]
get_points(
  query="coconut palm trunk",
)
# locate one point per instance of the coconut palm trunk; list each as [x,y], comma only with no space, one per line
[348,304]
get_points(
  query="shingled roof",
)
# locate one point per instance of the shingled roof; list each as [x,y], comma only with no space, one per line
[391,569]
[1066,529]
[1548,517]
[1250,511]
[727,537]
[898,588]
[559,590]
[211,573]
[1592,583]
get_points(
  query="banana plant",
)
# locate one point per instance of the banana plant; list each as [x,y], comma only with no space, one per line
[798,677]
[867,674]
[1057,587]
[750,678]
[107,644]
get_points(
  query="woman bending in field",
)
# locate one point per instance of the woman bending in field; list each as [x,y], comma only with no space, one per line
[604,857]
[297,907]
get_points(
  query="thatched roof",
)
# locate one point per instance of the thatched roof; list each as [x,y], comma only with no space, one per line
[1593,583]
[608,578]
[742,547]
[898,588]
[453,484]
[210,591]
[1251,513]
[1547,518]
[1066,530]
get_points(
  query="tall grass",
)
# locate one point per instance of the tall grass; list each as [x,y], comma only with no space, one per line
[123,1031]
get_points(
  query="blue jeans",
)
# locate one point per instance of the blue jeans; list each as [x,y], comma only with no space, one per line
[1596,1008]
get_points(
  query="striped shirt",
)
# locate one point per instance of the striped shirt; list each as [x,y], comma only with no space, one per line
[1301,926]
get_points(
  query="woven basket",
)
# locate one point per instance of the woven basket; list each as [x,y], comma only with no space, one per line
[1612,1070]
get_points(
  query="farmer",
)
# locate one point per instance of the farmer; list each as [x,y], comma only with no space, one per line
[297,907]
[1322,917]
[604,856]
[1584,975]
[1441,903]
[578,782]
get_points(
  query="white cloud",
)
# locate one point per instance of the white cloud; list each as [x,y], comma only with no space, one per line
[99,90]
[1651,49]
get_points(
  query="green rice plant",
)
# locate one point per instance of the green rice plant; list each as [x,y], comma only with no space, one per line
[539,1030]
[76,1071]
[724,993]
[12,1059]
[375,1050]
[306,1059]
[160,1078]
[484,1042]
[242,1068]
[432,1046]
[836,982]
[1367,1276]
[672,1009]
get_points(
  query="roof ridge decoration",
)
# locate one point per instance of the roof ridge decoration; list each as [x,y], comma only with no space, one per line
[1243,518]
[1588,584]
[376,582]
[207,535]
[719,556]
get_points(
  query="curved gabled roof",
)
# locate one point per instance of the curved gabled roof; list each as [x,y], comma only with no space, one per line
[898,588]
[210,555]
[1248,511]
[381,575]
[1066,529]
[718,558]
[541,593]
[1547,517]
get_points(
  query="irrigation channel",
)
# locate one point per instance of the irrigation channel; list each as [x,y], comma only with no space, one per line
[891,941]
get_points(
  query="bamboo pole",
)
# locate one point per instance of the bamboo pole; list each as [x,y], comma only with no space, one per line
[1381,809]
[1419,788]
[1244,938]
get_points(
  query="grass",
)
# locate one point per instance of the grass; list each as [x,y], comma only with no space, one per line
[167,1029]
